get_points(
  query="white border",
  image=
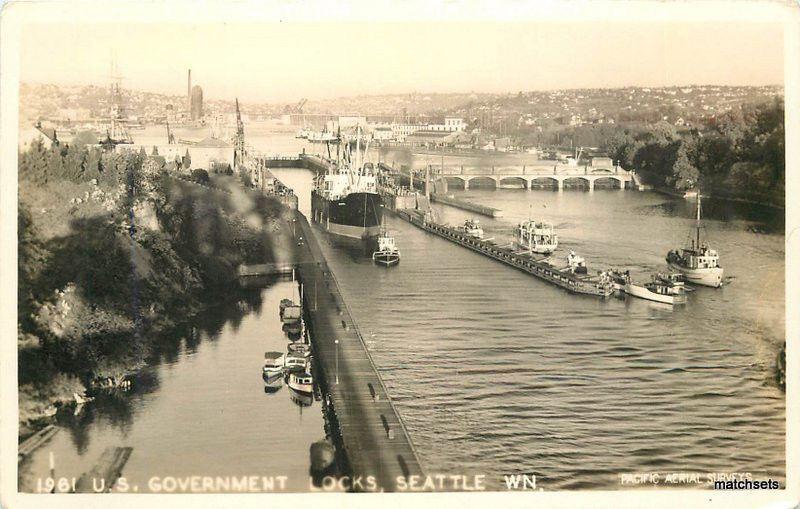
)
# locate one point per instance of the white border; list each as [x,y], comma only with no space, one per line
[16,14]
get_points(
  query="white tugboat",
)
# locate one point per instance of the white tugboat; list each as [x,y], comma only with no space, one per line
[697,262]
[663,288]
[472,228]
[536,237]
[387,253]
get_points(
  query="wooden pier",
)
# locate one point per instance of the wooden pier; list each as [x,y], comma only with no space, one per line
[373,436]
[586,285]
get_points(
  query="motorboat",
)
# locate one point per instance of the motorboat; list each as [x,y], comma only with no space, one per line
[273,363]
[295,363]
[387,253]
[697,261]
[272,383]
[661,288]
[291,313]
[472,228]
[301,382]
[299,349]
[536,237]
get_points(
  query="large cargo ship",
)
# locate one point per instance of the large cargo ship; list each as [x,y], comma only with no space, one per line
[345,200]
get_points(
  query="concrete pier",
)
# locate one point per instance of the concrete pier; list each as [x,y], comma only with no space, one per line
[374,438]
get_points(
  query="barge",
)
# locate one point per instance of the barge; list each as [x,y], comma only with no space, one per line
[600,286]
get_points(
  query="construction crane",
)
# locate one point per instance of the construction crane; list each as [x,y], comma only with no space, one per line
[297,108]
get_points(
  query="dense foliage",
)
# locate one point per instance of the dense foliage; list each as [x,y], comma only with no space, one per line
[111,250]
[738,154]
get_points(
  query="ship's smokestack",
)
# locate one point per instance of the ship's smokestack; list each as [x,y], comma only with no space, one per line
[189,92]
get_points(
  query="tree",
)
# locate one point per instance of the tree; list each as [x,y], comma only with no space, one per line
[684,174]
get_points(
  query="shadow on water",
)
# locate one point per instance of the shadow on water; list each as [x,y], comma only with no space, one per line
[762,219]
[116,407]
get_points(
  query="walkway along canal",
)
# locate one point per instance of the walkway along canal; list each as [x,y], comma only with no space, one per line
[374,439]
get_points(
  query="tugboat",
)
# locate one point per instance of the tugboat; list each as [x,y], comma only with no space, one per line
[387,253]
[536,237]
[697,262]
[345,200]
[472,228]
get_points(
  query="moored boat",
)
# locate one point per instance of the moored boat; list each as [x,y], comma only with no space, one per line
[295,363]
[697,262]
[299,349]
[345,200]
[536,237]
[387,253]
[273,363]
[576,264]
[472,228]
[301,382]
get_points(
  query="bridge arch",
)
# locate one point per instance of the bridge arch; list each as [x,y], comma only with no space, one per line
[609,182]
[455,182]
[482,183]
[577,183]
[544,183]
[512,183]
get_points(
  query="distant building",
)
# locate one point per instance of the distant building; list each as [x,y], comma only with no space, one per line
[197,103]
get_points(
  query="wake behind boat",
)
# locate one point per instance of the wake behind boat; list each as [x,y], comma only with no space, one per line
[697,262]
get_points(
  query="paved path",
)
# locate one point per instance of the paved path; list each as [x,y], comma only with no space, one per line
[375,440]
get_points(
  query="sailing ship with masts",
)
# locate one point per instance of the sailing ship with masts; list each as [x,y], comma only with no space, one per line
[345,199]
[698,263]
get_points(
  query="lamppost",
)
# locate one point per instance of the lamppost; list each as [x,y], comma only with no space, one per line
[336,341]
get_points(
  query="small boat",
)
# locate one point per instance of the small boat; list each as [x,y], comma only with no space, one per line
[294,363]
[536,237]
[387,253]
[660,289]
[291,313]
[284,304]
[273,363]
[272,383]
[301,382]
[472,228]
[576,264]
[303,133]
[697,262]
[299,349]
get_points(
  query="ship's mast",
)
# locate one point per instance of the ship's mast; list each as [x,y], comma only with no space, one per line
[697,226]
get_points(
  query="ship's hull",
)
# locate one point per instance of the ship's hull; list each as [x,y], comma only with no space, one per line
[387,259]
[705,277]
[538,248]
[356,216]
[643,293]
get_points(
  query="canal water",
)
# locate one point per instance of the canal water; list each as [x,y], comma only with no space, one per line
[496,372]
[493,371]
[200,409]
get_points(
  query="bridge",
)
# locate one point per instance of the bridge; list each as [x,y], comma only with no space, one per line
[556,176]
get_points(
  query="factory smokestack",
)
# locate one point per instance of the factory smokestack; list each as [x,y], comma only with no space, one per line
[189,92]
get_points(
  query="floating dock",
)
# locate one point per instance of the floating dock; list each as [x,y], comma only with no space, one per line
[465,205]
[371,433]
[579,284]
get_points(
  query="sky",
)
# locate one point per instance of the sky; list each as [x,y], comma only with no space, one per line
[286,61]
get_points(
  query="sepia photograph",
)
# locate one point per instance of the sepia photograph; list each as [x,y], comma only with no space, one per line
[436,248]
